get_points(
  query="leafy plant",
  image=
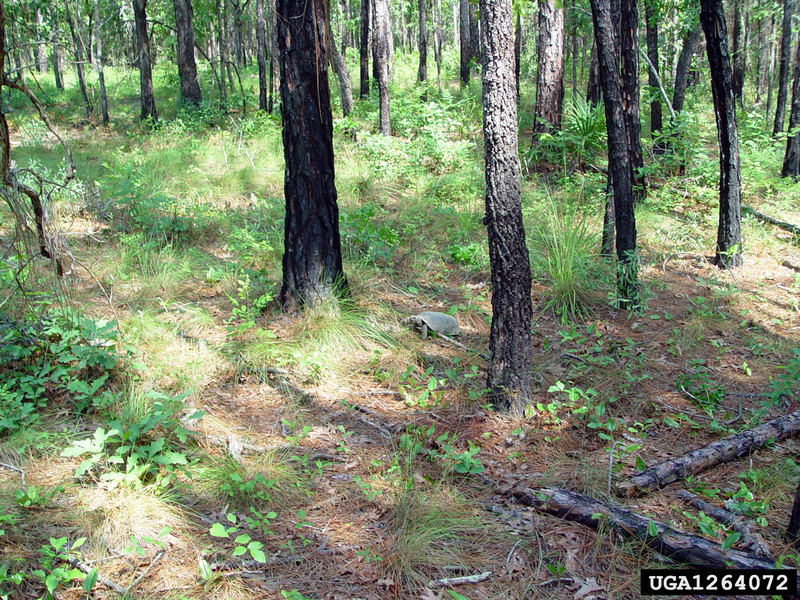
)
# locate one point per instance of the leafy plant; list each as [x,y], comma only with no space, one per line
[244,544]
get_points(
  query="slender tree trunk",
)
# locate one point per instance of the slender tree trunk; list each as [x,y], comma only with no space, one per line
[273,54]
[423,49]
[619,162]
[340,68]
[651,22]
[261,55]
[148,101]
[630,94]
[187,69]
[738,52]
[41,48]
[682,67]
[345,5]
[770,69]
[80,57]
[518,53]
[729,233]
[463,35]
[381,44]
[364,49]
[509,373]
[56,53]
[474,35]
[222,51]
[593,88]
[97,60]
[783,68]
[550,69]
[791,160]
[312,260]
[764,24]
[437,44]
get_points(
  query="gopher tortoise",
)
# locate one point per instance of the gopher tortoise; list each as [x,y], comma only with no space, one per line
[437,322]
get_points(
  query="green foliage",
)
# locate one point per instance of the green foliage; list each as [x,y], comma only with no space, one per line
[787,383]
[35,495]
[701,387]
[243,543]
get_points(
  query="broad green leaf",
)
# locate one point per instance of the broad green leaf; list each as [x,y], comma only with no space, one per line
[218,530]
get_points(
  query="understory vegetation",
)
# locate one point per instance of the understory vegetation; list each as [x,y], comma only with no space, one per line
[166,429]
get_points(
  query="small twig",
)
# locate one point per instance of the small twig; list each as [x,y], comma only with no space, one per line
[113,585]
[510,554]
[156,558]
[13,468]
[554,580]
[450,581]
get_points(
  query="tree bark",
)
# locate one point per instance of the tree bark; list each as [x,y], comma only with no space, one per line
[783,68]
[651,25]
[682,67]
[715,453]
[223,44]
[764,31]
[187,69]
[340,68]
[738,52]
[148,102]
[619,162]
[518,53]
[364,48]
[261,55]
[56,54]
[422,74]
[794,521]
[593,88]
[474,35]
[629,54]
[791,160]
[80,57]
[380,42]
[41,49]
[550,69]
[312,260]
[679,546]
[463,36]
[729,231]
[272,40]
[437,44]
[97,61]
[509,373]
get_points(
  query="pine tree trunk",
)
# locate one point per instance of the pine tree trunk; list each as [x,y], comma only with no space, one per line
[272,40]
[97,61]
[147,99]
[550,69]
[423,49]
[56,54]
[437,45]
[463,36]
[364,48]
[261,54]
[651,23]
[791,161]
[80,57]
[593,88]
[738,52]
[223,44]
[764,26]
[682,68]
[619,163]
[629,53]
[312,260]
[783,68]
[381,44]
[729,233]
[41,49]
[474,36]
[187,69]
[509,373]
[340,68]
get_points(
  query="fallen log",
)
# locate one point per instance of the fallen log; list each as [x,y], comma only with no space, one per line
[713,454]
[679,546]
[793,229]
[794,521]
[750,540]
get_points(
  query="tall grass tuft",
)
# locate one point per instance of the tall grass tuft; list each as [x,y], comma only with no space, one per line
[564,257]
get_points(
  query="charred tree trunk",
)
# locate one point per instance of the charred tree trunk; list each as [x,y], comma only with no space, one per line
[619,163]
[593,88]
[651,23]
[187,69]
[463,36]
[364,48]
[148,101]
[791,160]
[97,61]
[550,69]
[223,44]
[794,521]
[629,54]
[261,54]
[437,44]
[312,261]
[729,232]
[682,67]
[380,42]
[509,373]
[783,69]
[80,57]
[272,40]
[422,74]
[738,52]
[518,53]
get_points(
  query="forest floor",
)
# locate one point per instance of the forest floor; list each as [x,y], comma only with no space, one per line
[356,459]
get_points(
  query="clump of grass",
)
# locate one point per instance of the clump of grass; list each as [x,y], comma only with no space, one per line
[564,257]
[436,528]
